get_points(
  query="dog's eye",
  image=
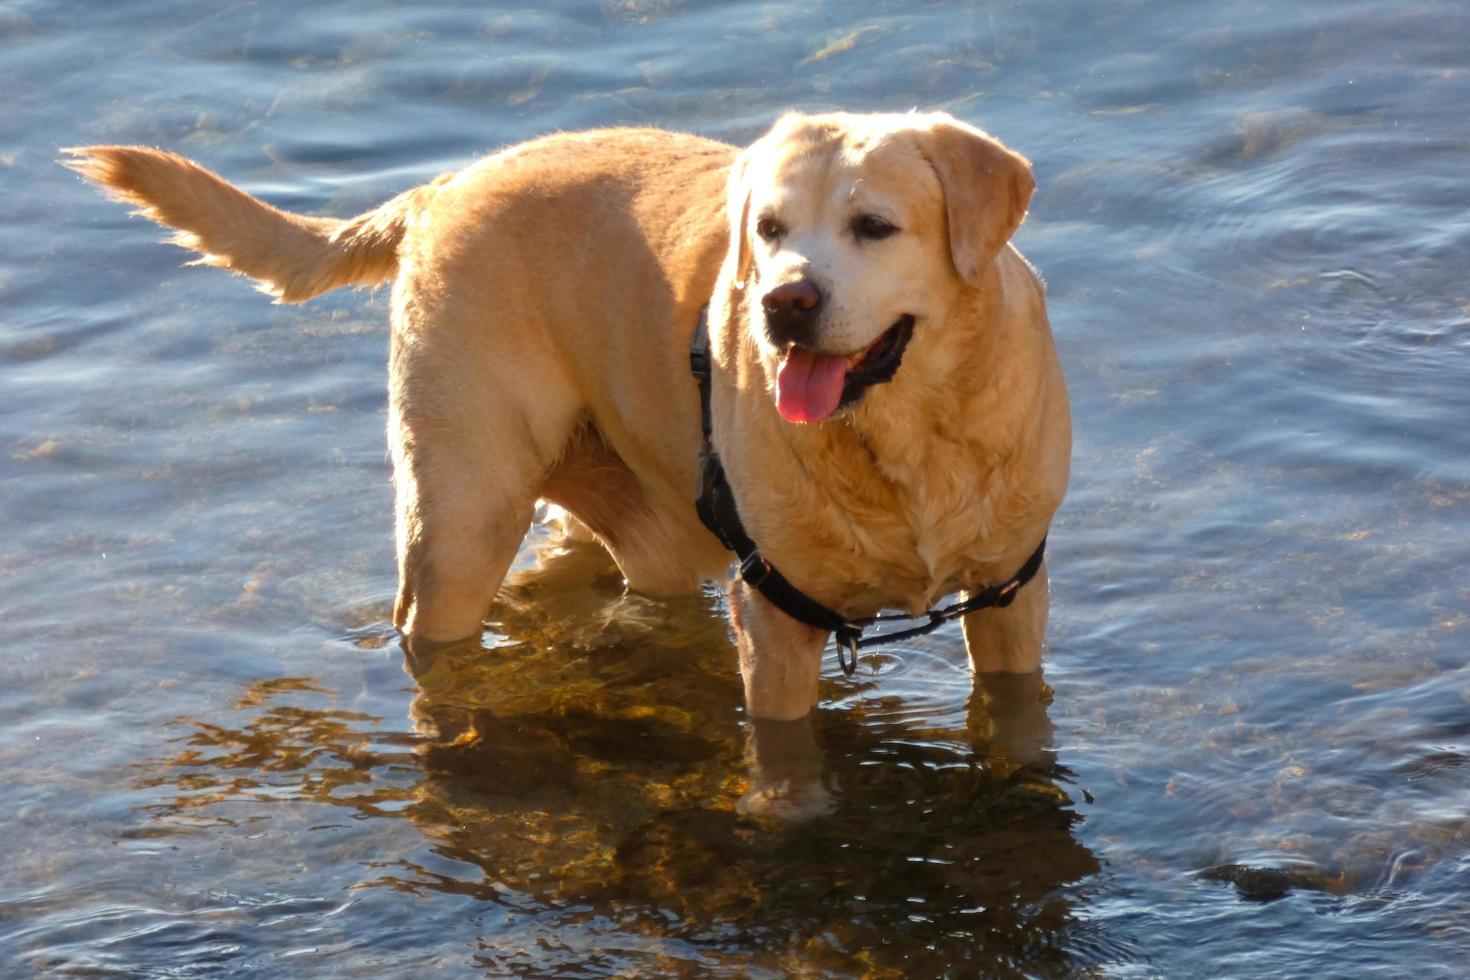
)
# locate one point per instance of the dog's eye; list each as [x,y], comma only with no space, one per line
[872,227]
[769,229]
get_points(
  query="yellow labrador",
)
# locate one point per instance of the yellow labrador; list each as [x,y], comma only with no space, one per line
[887,399]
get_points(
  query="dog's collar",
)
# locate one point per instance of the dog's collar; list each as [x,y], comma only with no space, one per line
[717,509]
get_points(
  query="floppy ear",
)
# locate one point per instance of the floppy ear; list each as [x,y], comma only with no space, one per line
[737,212]
[724,304]
[986,190]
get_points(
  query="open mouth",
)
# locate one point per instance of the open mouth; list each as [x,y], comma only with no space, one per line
[812,386]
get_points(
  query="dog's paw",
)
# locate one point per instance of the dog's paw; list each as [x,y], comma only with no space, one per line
[786,801]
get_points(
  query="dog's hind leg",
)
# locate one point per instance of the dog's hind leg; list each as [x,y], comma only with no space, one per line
[658,553]
[460,521]
[468,462]
[568,526]
[658,558]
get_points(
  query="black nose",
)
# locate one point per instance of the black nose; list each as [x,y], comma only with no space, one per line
[792,309]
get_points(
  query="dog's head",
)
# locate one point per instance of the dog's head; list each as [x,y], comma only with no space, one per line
[850,234]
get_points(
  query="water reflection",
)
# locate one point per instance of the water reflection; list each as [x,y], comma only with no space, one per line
[591,760]
[1251,216]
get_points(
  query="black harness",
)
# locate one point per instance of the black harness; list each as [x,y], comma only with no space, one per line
[716,506]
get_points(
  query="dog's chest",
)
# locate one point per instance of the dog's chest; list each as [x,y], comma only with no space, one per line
[922,524]
[947,503]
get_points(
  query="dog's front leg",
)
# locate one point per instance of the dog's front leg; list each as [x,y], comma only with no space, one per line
[1009,640]
[780,661]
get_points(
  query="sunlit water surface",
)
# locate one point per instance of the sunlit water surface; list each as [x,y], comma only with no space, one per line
[1251,752]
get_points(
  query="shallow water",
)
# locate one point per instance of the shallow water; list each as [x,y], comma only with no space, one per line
[1250,755]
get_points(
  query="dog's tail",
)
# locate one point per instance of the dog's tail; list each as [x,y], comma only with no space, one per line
[294,257]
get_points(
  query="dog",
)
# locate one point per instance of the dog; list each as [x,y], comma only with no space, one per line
[886,396]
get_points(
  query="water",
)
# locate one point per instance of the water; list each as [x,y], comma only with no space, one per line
[1251,753]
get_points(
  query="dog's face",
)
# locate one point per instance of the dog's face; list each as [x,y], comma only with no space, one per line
[853,235]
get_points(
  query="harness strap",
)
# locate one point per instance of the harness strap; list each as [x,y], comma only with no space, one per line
[718,512]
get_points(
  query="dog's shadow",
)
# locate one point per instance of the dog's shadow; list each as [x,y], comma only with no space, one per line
[597,742]
[587,762]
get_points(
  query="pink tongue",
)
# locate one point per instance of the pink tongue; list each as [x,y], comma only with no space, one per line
[809,385]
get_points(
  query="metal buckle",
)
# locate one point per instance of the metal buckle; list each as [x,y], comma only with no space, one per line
[754,569]
[847,651]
